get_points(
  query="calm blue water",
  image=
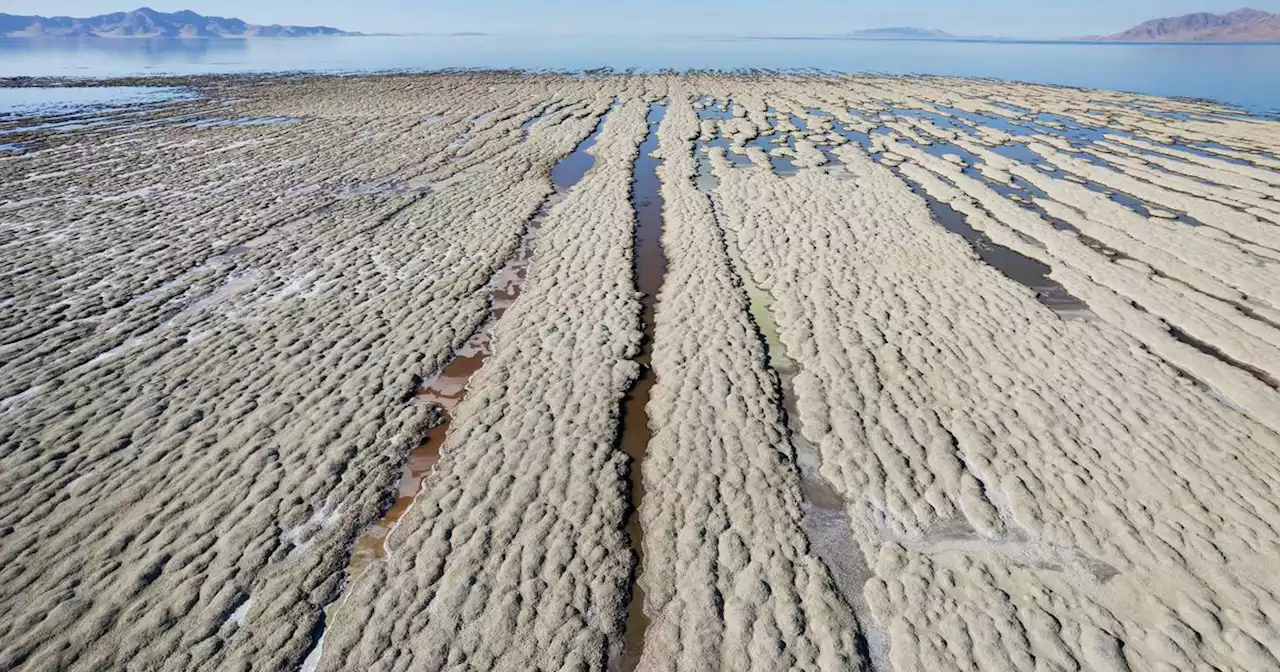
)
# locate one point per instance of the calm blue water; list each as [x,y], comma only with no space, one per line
[1244,74]
[54,99]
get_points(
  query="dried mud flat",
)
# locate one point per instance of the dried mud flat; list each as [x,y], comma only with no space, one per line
[930,374]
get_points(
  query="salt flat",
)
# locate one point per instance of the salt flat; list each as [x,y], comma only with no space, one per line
[945,374]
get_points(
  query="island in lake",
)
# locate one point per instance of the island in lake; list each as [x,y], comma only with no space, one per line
[1242,25]
[149,23]
[902,32]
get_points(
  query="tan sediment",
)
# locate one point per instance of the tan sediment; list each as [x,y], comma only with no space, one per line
[522,519]
[1232,221]
[446,389]
[1249,340]
[952,493]
[725,553]
[211,336]
[236,432]
[1172,158]
[1127,295]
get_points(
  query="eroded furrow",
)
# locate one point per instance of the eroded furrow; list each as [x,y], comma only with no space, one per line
[448,387]
[900,319]
[637,422]
[541,464]
[723,509]
[804,389]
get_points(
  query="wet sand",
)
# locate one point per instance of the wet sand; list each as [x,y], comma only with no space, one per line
[706,371]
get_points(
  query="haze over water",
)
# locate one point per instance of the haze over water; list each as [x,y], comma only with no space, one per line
[1242,74]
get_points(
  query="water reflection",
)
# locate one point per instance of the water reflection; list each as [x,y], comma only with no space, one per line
[1242,74]
[98,57]
[51,100]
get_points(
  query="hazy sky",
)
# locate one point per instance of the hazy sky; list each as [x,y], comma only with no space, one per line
[1013,18]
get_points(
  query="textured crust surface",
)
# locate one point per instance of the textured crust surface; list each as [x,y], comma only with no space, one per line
[1035,334]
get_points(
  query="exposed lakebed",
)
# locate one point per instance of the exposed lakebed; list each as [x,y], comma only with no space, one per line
[754,371]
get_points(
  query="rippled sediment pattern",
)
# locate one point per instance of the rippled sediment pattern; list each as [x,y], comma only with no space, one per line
[1032,339]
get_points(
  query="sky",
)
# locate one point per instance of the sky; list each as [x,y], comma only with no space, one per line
[1004,18]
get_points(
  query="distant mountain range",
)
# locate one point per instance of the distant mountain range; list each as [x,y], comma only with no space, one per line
[148,23]
[1242,25]
[902,32]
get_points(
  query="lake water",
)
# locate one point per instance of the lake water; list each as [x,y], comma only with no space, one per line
[1247,75]
[52,99]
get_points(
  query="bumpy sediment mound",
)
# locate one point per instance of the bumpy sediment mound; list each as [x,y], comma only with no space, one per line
[966,426]
[1031,339]
[514,557]
[725,556]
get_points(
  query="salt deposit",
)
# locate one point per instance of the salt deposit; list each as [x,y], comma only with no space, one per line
[217,311]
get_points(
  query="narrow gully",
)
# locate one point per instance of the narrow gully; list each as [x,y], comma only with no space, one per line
[650,269]
[1018,267]
[448,387]
[545,109]
[1022,153]
[1186,339]
[826,523]
[572,168]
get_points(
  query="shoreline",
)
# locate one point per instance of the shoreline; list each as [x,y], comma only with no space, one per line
[946,372]
[214,81]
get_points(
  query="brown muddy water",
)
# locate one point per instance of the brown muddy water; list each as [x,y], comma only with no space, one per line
[650,269]
[448,388]
[445,391]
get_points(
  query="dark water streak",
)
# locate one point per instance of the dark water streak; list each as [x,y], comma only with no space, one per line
[650,269]
[449,386]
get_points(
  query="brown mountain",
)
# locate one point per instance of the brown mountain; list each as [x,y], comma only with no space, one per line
[1242,25]
[149,23]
